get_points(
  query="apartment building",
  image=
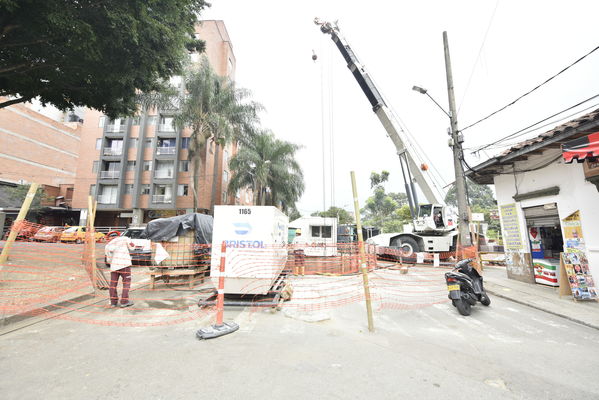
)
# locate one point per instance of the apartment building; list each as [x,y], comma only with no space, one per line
[35,147]
[137,168]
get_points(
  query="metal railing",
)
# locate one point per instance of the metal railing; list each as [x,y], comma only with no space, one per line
[166,128]
[162,150]
[162,198]
[115,128]
[163,174]
[106,199]
[109,151]
[110,174]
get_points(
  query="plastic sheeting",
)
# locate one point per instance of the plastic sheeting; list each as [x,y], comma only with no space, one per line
[164,229]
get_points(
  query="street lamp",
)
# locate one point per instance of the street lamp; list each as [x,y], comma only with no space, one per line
[424,91]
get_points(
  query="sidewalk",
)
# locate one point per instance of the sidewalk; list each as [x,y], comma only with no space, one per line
[541,297]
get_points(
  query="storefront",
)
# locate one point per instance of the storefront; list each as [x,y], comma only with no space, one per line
[549,206]
[545,240]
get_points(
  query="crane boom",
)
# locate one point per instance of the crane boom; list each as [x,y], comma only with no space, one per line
[405,150]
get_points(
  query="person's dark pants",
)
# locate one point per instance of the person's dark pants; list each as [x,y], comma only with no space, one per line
[125,274]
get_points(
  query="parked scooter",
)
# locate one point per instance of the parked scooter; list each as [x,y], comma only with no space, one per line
[465,286]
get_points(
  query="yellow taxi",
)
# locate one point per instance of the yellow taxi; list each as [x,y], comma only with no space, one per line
[77,234]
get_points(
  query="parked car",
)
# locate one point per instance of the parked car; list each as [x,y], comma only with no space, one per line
[77,234]
[48,234]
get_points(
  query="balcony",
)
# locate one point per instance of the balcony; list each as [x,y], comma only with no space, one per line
[166,128]
[109,151]
[110,174]
[160,151]
[162,198]
[115,128]
[106,199]
[163,173]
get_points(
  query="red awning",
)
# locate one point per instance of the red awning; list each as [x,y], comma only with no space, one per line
[581,148]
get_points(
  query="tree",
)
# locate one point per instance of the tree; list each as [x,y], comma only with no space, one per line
[211,106]
[480,195]
[93,53]
[268,167]
[342,215]
[482,200]
[18,193]
[387,211]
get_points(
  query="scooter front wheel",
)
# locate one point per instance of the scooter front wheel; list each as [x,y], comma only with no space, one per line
[484,299]
[464,308]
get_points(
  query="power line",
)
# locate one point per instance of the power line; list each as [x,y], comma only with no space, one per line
[532,90]
[536,123]
[477,149]
[478,56]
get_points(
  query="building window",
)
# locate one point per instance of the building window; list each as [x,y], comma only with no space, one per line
[128,188]
[130,165]
[225,176]
[147,165]
[183,166]
[226,158]
[185,143]
[101,122]
[182,190]
[167,124]
[133,143]
[136,120]
[98,144]
[95,166]
[148,143]
[145,189]
[152,119]
[92,190]
[225,197]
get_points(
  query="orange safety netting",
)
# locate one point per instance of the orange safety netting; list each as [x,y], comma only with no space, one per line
[168,279]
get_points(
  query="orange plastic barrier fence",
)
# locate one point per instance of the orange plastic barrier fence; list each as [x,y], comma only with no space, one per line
[168,279]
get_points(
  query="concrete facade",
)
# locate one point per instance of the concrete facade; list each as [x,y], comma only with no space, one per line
[137,168]
[575,194]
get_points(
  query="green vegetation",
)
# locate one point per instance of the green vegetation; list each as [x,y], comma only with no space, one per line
[335,212]
[216,111]
[387,211]
[268,167]
[483,201]
[93,53]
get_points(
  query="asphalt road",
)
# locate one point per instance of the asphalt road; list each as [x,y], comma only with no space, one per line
[504,351]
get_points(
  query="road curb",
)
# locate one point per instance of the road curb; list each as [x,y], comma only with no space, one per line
[528,304]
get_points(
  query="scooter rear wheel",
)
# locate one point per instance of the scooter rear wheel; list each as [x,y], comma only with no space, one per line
[464,308]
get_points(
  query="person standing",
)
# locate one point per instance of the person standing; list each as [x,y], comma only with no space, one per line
[117,255]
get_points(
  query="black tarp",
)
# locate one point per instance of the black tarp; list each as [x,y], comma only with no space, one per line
[164,229]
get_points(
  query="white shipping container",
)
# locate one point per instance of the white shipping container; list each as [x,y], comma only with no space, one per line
[319,234]
[256,253]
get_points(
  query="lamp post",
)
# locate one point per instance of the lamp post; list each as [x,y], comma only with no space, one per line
[456,145]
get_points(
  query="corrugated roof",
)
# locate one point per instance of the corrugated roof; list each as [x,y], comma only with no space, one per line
[588,123]
[573,124]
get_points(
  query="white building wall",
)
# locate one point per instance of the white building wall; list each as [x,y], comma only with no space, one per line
[575,194]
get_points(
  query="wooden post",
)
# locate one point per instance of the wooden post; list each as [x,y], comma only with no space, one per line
[362,254]
[22,214]
[91,216]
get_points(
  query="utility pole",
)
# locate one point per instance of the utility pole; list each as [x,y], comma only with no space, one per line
[456,144]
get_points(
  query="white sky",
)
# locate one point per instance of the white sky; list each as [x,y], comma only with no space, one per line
[400,44]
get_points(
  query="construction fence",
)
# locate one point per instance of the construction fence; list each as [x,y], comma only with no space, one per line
[173,282]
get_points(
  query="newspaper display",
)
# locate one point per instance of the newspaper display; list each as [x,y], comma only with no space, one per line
[575,260]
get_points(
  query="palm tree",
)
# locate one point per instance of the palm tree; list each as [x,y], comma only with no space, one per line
[212,107]
[268,167]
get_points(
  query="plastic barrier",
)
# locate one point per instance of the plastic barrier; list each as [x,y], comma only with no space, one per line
[58,280]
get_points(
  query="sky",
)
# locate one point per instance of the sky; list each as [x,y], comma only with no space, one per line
[499,51]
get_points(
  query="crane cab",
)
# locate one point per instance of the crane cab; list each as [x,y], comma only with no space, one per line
[434,218]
